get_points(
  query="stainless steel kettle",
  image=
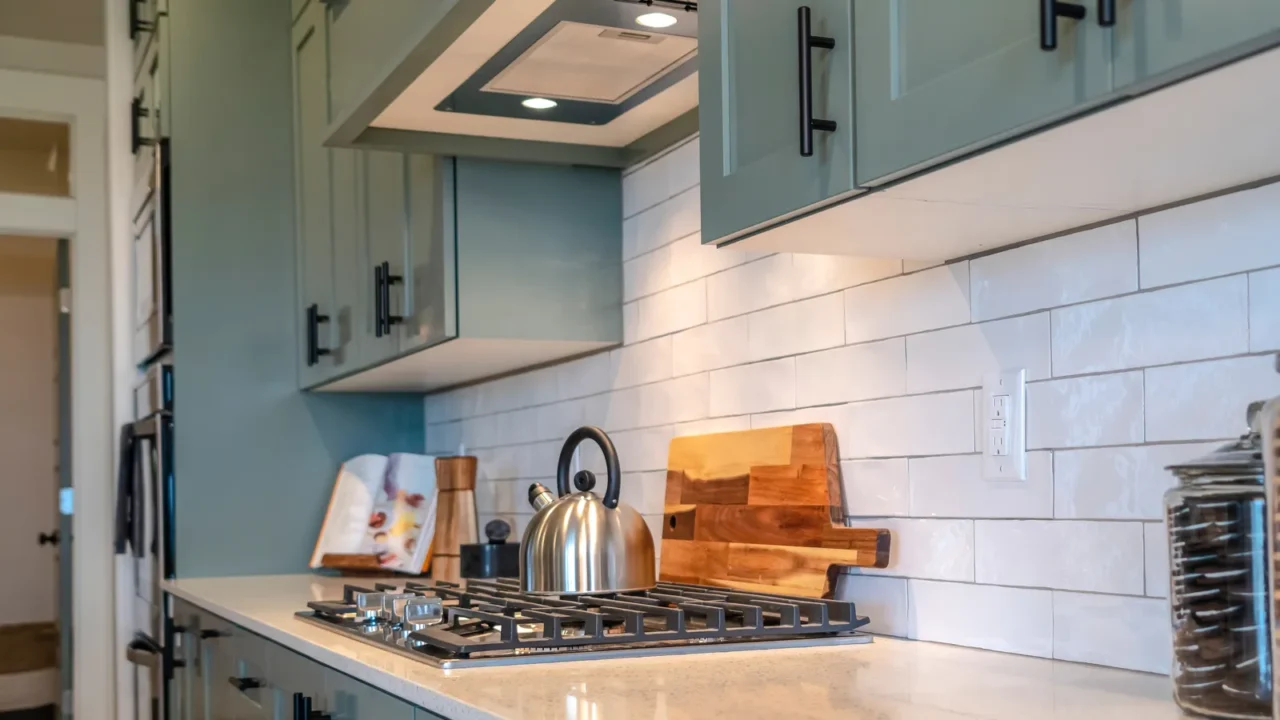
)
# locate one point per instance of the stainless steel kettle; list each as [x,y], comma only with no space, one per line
[580,542]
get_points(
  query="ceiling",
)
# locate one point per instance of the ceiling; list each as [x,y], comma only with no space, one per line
[68,21]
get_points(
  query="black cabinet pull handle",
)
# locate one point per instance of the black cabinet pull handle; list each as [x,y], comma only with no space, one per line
[1050,11]
[244,683]
[387,281]
[378,309]
[809,41]
[211,634]
[136,23]
[136,113]
[301,706]
[314,318]
[1107,13]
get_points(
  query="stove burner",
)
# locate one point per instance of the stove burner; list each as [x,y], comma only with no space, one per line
[445,622]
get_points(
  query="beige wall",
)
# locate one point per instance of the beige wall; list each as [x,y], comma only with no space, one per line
[28,428]
[34,157]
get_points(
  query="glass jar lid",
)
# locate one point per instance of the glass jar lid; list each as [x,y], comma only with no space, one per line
[1242,457]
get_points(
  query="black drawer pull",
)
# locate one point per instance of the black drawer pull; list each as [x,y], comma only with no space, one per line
[809,41]
[387,319]
[314,318]
[301,707]
[1050,11]
[377,301]
[211,634]
[244,683]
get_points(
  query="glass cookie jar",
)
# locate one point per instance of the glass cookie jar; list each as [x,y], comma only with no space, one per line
[1222,580]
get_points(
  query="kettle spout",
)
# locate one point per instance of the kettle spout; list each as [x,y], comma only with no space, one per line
[540,496]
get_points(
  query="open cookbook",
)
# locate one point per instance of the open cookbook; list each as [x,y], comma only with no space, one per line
[382,515]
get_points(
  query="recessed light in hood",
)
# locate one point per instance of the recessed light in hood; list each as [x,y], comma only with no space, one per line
[656,20]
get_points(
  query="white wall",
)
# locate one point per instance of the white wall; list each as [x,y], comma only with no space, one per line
[1143,342]
[28,428]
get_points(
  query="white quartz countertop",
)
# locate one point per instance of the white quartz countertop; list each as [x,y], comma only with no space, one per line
[888,679]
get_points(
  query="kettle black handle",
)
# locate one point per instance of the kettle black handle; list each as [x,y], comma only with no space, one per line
[610,460]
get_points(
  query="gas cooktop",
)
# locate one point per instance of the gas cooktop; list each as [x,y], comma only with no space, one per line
[491,622]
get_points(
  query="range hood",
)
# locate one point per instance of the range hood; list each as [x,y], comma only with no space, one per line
[605,74]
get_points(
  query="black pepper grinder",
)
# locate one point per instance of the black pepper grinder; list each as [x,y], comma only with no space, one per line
[494,559]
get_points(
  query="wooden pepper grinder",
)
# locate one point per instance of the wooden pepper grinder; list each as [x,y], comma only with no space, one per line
[456,523]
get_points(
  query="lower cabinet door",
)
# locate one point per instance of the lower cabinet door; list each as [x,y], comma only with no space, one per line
[350,699]
[291,674]
[1154,37]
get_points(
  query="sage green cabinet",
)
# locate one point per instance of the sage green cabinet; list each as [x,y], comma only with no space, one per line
[749,98]
[430,259]
[936,78]
[348,699]
[314,194]
[383,197]
[352,304]
[1154,37]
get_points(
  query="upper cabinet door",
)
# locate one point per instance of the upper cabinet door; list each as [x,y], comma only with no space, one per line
[385,226]
[431,265]
[750,92]
[313,193]
[937,78]
[1153,37]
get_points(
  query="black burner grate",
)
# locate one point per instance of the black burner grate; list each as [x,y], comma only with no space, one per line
[485,616]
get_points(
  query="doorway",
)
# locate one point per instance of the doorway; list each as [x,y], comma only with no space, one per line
[33,429]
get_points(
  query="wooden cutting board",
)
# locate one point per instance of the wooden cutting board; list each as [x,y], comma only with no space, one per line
[761,510]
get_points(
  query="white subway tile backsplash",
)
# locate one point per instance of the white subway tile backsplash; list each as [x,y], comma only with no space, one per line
[682,399]
[756,285]
[958,357]
[1219,236]
[883,600]
[1061,554]
[1124,632]
[661,224]
[925,548]
[954,486]
[679,308]
[1202,401]
[795,328]
[1189,322]
[1088,265]
[915,425]
[822,274]
[1014,620]
[1117,483]
[728,340]
[712,346]
[1264,310]
[853,372]
[713,425]
[831,414]
[585,376]
[644,491]
[756,388]
[641,363]
[876,488]
[1099,410]
[909,304]
[1156,539]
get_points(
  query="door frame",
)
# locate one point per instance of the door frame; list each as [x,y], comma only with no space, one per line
[100,282]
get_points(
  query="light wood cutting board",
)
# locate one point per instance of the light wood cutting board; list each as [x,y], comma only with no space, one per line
[760,510]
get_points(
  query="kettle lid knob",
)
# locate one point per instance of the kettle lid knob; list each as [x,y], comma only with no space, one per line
[584,480]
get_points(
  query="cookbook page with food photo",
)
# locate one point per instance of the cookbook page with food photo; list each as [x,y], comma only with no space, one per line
[381,515]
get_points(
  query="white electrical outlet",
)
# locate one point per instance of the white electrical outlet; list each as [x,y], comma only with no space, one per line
[1004,425]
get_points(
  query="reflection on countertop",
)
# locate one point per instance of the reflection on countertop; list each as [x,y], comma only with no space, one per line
[888,679]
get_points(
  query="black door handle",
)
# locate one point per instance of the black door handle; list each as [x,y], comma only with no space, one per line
[388,281]
[314,318]
[136,113]
[136,23]
[1107,13]
[301,706]
[809,41]
[1050,10]
[378,309]
[244,683]
[49,538]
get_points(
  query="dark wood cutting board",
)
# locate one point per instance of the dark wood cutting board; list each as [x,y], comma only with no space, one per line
[760,510]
